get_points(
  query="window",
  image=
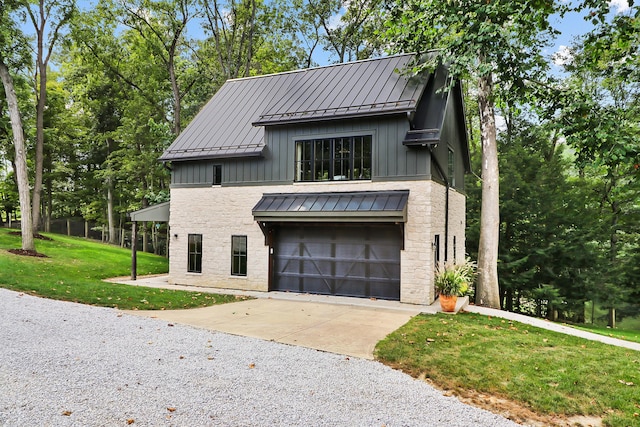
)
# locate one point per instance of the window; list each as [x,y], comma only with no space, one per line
[239,255]
[217,174]
[436,250]
[451,168]
[195,253]
[334,159]
[454,249]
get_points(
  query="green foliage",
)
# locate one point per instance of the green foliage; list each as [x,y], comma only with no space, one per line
[552,374]
[455,279]
[478,38]
[74,271]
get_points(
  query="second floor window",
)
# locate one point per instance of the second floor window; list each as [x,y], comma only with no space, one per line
[334,159]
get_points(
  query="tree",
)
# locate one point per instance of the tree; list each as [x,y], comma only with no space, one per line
[346,29]
[599,114]
[20,159]
[162,25]
[13,51]
[499,44]
[57,15]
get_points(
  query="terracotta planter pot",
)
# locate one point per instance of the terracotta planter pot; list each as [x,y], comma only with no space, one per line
[448,303]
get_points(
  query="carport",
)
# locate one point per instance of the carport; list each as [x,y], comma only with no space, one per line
[155,213]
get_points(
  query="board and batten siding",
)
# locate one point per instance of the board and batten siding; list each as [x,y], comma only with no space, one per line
[391,160]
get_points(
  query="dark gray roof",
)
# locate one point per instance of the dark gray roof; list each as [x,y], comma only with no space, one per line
[361,88]
[362,206]
[229,124]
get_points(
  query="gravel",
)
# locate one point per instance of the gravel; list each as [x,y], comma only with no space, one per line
[66,364]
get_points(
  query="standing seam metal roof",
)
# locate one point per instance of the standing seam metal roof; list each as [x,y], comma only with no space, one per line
[377,206]
[229,125]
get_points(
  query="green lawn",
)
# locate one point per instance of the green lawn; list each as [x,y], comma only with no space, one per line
[614,333]
[549,373]
[74,268]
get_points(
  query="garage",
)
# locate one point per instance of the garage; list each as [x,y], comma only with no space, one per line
[360,261]
[345,244]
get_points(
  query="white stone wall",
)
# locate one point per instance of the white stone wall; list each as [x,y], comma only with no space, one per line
[220,212]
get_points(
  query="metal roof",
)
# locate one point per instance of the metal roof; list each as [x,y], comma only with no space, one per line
[363,206]
[362,88]
[229,124]
[157,213]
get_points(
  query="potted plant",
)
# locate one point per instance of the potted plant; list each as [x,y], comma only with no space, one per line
[452,280]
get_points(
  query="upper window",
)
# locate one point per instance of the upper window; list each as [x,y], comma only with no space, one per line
[333,159]
[217,174]
[239,255]
[451,172]
[195,253]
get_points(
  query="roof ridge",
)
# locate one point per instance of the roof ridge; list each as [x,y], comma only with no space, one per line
[339,64]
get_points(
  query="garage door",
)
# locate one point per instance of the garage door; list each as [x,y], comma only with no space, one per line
[349,260]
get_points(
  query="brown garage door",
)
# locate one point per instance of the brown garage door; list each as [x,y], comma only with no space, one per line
[349,260]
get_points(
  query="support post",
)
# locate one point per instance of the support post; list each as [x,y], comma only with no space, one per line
[134,250]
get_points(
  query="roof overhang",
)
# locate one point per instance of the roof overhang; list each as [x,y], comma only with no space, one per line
[362,206]
[254,150]
[157,213]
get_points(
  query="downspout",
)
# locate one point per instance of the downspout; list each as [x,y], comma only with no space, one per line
[446,204]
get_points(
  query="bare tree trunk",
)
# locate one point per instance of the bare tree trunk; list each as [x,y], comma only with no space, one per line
[488,289]
[41,88]
[22,175]
[112,225]
[145,237]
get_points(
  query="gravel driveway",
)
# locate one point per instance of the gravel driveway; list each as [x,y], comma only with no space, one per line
[66,364]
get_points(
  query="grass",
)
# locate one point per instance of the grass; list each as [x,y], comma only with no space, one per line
[622,334]
[74,268]
[554,375]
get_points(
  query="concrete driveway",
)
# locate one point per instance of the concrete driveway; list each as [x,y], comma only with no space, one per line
[349,326]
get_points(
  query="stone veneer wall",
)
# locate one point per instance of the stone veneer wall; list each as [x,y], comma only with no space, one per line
[220,212]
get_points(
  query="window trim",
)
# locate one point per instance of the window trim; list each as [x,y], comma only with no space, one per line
[237,268]
[330,162]
[197,254]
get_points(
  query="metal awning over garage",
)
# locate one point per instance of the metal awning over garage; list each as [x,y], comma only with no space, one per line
[362,206]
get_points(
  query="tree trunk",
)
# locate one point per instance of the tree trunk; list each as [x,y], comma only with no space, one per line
[611,318]
[177,126]
[145,237]
[111,221]
[22,175]
[488,289]
[41,85]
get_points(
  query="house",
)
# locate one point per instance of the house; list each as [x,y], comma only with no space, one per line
[343,180]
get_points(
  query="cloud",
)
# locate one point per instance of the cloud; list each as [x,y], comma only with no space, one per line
[621,6]
[563,56]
